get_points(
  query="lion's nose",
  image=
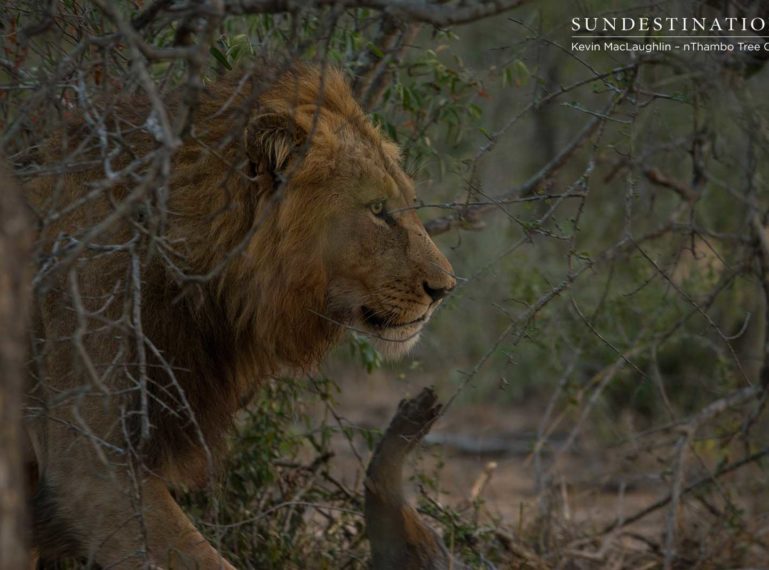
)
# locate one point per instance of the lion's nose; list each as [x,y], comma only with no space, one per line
[436,294]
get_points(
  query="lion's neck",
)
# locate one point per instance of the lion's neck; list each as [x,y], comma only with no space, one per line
[224,345]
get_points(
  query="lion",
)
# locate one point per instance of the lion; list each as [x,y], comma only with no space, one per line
[287,221]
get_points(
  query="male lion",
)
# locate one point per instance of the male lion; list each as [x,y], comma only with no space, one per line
[297,215]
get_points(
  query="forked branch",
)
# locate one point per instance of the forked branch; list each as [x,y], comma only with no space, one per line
[400,539]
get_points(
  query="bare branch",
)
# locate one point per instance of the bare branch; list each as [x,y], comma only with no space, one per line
[430,12]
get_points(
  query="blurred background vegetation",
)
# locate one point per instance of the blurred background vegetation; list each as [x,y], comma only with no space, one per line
[605,213]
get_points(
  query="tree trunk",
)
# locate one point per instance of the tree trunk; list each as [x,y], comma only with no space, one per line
[15,248]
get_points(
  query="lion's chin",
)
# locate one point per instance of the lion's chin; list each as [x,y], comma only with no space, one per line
[391,342]
[395,343]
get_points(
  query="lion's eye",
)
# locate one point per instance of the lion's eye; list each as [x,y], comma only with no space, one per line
[377,208]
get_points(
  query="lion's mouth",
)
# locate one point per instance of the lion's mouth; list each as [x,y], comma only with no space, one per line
[381,321]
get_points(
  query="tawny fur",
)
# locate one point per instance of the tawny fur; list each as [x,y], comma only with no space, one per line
[282,177]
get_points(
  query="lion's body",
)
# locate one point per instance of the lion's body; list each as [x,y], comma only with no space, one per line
[149,349]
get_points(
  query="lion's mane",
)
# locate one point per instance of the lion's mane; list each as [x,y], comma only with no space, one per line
[235,298]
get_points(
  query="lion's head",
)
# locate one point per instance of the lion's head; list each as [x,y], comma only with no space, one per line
[385,276]
[336,240]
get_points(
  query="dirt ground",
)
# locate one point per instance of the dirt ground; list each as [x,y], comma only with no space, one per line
[591,485]
[474,440]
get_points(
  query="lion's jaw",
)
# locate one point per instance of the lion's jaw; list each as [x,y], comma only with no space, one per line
[392,341]
[392,335]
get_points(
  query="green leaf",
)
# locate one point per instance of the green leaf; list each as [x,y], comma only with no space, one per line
[369,356]
[375,50]
[220,57]
[521,73]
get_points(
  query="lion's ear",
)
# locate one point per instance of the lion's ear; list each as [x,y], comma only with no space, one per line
[270,139]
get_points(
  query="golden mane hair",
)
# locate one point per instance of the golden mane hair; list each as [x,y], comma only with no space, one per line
[243,303]
[259,316]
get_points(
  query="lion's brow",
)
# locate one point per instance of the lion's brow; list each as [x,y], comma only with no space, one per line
[402,186]
[398,186]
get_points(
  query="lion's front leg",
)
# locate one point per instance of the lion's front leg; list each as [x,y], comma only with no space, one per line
[86,509]
[174,541]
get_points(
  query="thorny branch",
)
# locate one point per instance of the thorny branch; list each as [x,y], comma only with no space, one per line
[431,12]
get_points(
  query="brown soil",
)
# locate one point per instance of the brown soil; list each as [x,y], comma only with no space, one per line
[471,438]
